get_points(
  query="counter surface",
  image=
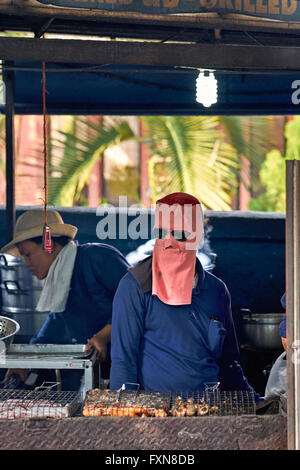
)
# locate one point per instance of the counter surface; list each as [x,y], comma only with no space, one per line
[268,432]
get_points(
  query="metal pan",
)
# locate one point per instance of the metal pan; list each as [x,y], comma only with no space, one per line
[74,351]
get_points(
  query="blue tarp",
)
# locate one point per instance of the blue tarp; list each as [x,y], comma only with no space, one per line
[137,90]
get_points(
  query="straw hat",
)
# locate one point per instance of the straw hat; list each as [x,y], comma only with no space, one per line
[31,224]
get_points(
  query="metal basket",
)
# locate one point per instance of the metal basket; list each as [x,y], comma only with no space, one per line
[143,403]
[215,402]
[8,329]
[42,402]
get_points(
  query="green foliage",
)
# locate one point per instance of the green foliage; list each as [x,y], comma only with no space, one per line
[272,176]
[81,147]
[199,155]
[272,172]
[252,137]
[249,135]
[189,154]
[292,135]
[124,180]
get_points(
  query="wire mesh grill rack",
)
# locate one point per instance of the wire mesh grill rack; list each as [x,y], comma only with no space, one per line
[42,402]
[213,403]
[163,404]
[132,403]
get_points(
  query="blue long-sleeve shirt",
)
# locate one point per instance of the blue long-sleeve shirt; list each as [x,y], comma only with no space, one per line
[98,269]
[177,348]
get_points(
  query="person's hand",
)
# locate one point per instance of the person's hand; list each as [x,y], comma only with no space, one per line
[100,341]
[21,373]
[100,344]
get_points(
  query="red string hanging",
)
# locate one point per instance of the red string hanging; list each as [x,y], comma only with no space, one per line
[47,241]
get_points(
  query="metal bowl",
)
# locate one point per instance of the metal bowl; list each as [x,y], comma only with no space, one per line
[8,329]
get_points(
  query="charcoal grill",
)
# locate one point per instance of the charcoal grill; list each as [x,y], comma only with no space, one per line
[141,403]
[43,402]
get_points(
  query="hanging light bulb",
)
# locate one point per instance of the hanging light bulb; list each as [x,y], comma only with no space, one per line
[206,88]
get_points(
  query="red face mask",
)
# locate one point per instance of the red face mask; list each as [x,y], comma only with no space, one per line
[179,226]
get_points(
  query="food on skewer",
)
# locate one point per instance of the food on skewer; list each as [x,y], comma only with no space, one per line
[148,404]
[203,409]
[191,407]
[112,403]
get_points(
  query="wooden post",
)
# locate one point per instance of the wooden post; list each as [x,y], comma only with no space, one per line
[10,152]
[293,301]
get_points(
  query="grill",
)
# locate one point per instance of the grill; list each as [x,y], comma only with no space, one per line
[132,403]
[136,403]
[43,402]
[216,403]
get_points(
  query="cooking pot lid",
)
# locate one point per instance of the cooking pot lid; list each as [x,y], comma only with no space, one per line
[263,317]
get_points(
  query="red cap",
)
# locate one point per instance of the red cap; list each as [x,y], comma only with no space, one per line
[178,198]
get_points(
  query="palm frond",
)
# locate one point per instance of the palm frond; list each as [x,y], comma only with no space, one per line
[190,155]
[80,152]
[252,136]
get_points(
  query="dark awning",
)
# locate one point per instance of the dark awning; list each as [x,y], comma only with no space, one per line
[143,90]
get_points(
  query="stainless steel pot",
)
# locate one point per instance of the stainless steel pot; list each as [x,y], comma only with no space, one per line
[16,299]
[13,269]
[20,292]
[261,330]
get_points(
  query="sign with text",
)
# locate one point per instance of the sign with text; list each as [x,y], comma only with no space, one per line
[288,10]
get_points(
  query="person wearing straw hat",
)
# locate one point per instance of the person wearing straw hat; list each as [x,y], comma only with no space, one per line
[172,326]
[80,283]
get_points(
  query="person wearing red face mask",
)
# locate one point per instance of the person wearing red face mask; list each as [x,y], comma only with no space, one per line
[172,327]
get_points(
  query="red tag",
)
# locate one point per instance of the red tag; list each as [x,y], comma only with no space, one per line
[47,242]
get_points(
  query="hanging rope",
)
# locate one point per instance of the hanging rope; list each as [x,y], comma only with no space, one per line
[47,242]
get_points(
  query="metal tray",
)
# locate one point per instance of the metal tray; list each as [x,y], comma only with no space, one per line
[76,351]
